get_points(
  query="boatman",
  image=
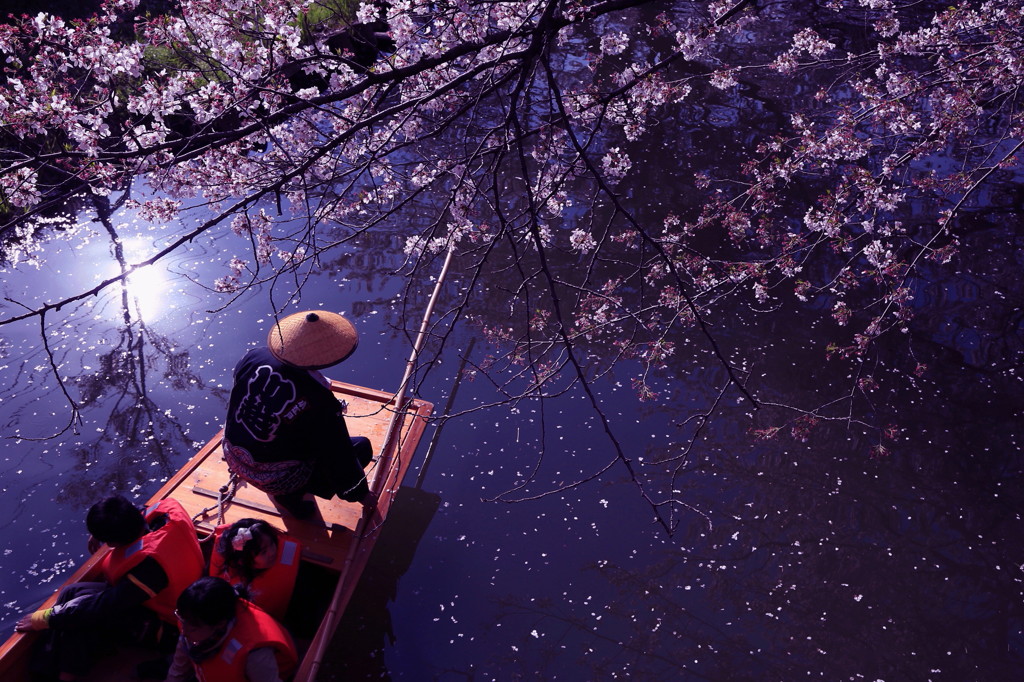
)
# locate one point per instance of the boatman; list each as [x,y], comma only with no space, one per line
[154,556]
[285,432]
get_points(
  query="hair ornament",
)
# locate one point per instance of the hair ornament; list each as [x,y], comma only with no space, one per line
[242,536]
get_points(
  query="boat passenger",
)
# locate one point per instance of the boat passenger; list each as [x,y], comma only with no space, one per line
[227,639]
[259,561]
[285,431]
[154,556]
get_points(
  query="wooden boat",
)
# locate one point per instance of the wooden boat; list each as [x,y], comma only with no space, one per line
[336,541]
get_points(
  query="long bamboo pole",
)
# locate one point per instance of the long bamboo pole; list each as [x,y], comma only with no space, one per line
[325,632]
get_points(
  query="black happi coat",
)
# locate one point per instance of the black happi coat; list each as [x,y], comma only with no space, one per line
[280,413]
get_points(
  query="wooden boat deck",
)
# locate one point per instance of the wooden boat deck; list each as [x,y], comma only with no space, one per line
[338,538]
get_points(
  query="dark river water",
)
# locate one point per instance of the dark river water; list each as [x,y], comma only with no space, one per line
[789,559]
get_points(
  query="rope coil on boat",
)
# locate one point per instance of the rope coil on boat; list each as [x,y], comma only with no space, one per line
[225,494]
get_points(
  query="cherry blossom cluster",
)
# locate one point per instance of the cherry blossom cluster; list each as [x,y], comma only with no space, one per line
[508,130]
[944,88]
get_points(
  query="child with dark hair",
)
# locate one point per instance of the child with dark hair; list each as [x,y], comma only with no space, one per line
[259,561]
[115,521]
[153,556]
[228,639]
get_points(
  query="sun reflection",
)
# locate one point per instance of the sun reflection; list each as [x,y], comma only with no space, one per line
[147,286]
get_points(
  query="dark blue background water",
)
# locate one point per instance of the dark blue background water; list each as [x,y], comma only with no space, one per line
[792,559]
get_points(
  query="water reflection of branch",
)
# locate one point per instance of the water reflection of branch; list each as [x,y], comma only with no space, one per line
[552,491]
[142,436]
[136,431]
[75,418]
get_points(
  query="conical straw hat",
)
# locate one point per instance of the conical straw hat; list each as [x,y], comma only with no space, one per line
[313,339]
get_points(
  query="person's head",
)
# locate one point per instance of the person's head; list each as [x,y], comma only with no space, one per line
[205,608]
[248,546]
[115,521]
[313,339]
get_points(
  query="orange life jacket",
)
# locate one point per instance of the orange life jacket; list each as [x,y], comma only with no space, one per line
[271,590]
[253,629]
[173,545]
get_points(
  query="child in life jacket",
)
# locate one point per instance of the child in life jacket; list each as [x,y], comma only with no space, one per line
[259,561]
[154,556]
[227,639]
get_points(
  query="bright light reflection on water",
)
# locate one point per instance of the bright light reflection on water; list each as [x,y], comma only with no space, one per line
[147,287]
